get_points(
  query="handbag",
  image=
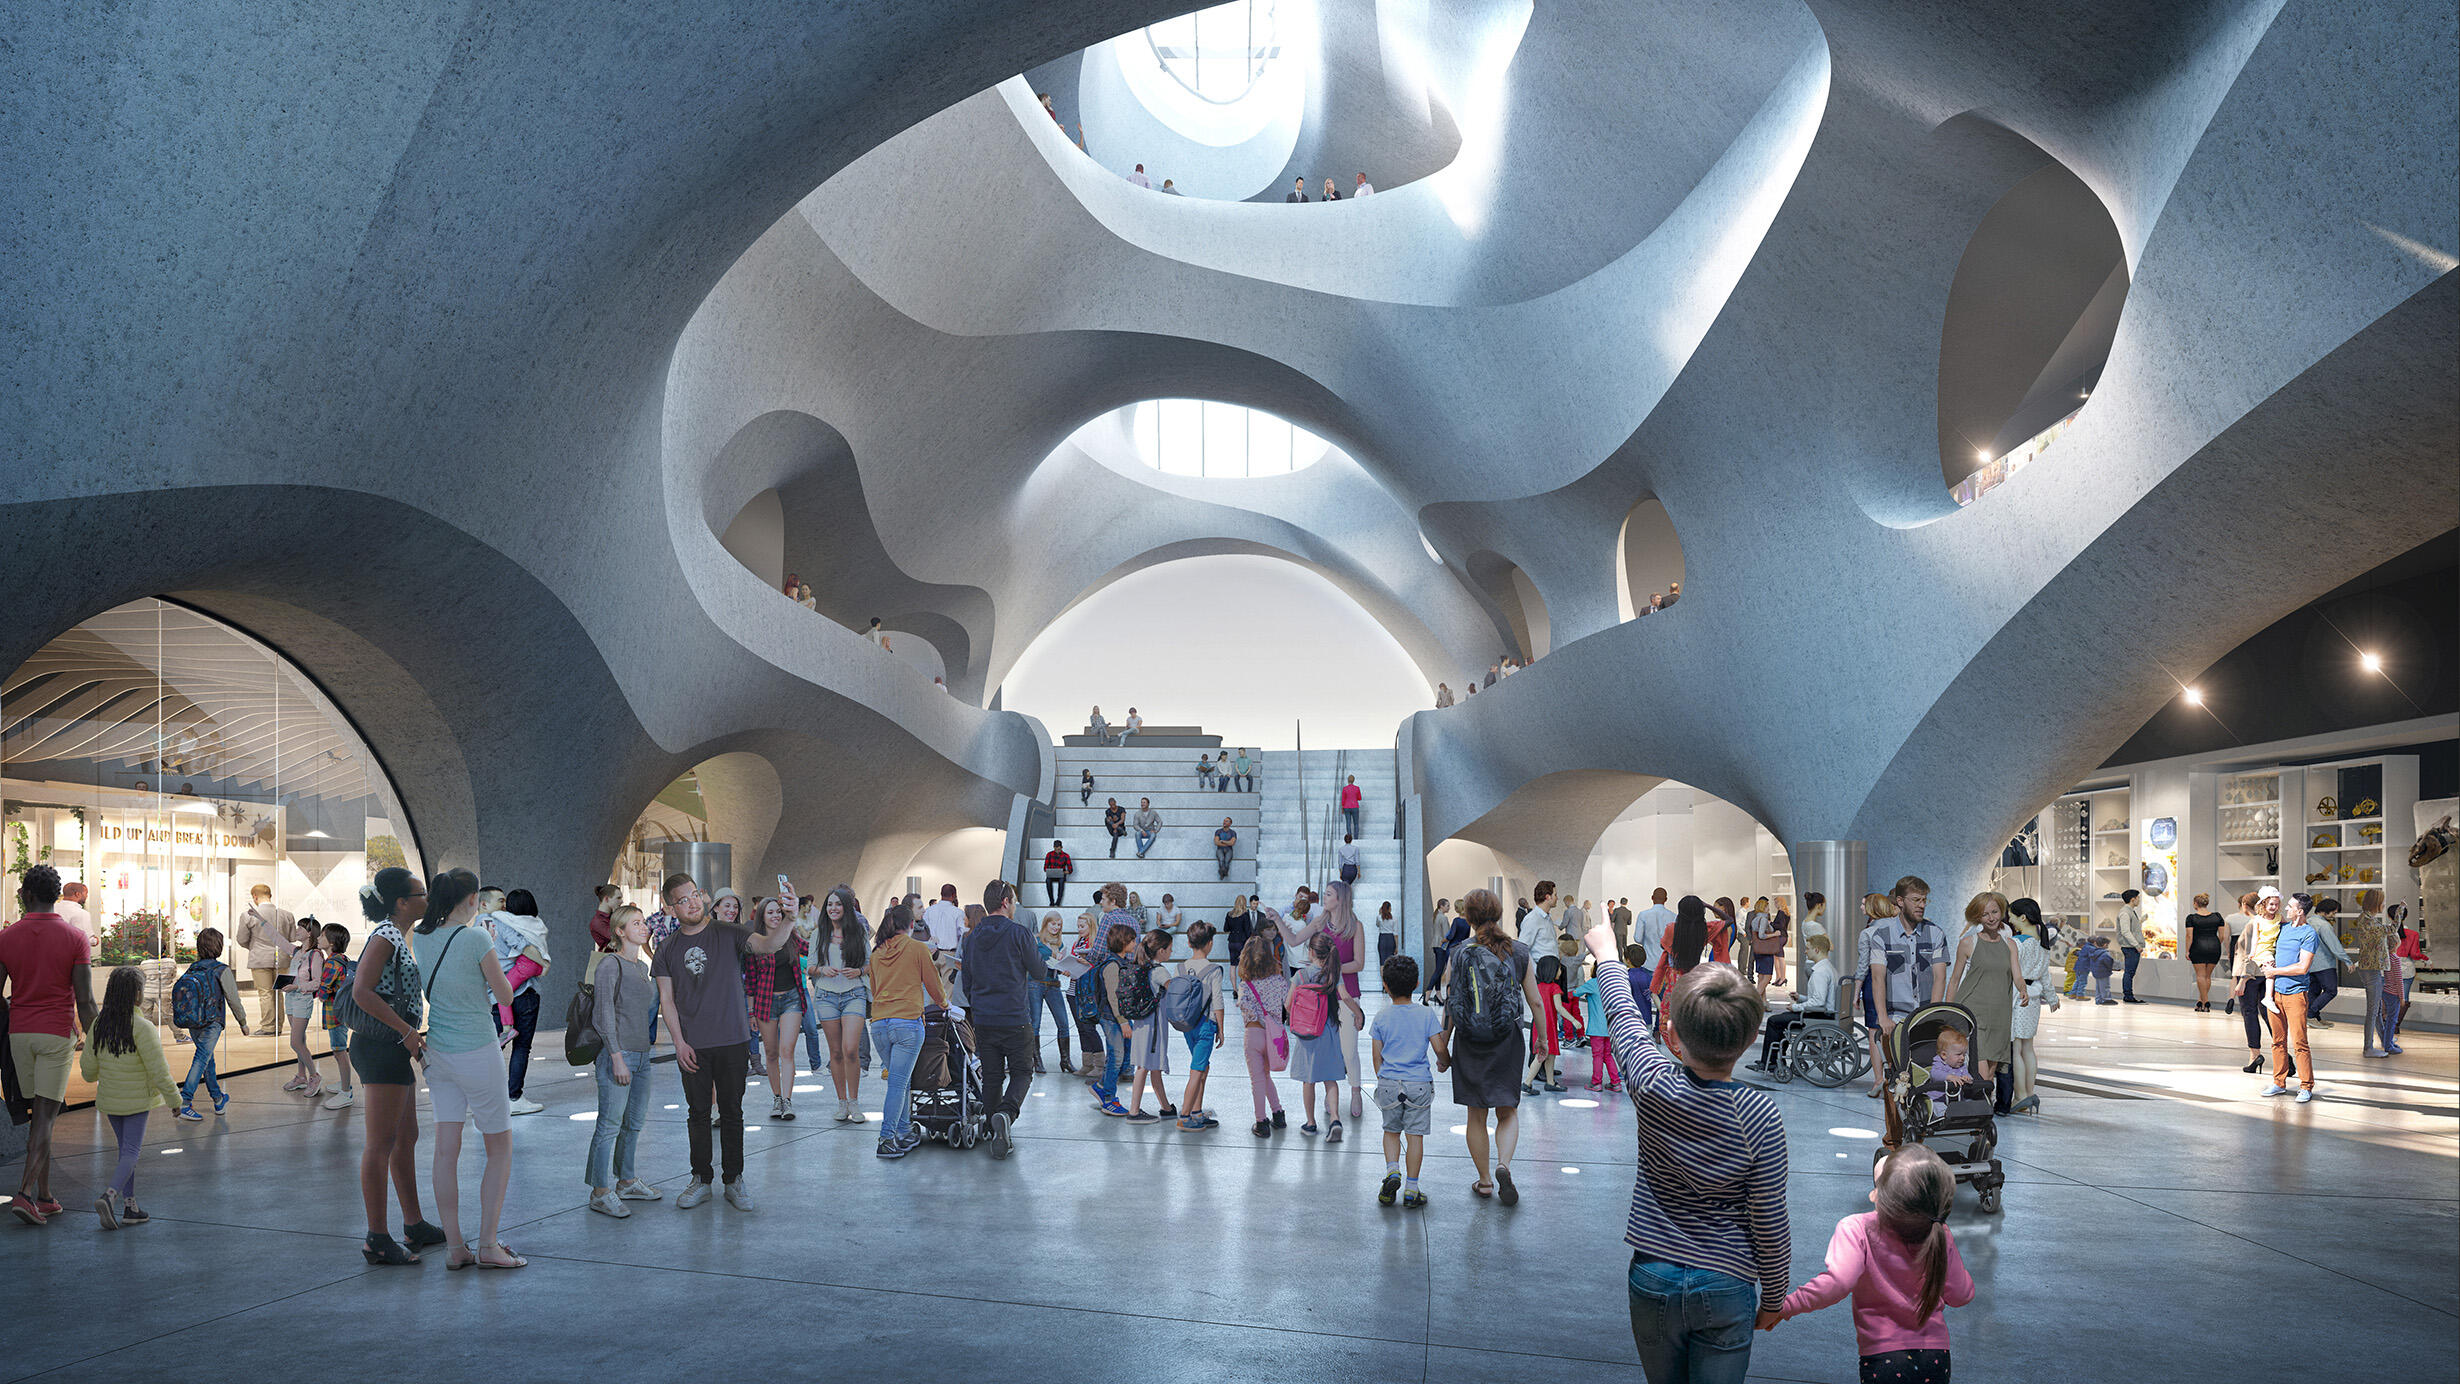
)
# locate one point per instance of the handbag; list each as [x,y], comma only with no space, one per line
[365,1025]
[1276,1038]
[582,1041]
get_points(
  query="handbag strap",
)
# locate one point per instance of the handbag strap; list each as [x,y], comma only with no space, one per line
[430,990]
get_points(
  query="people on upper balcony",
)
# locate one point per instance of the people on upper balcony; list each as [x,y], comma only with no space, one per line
[1674,592]
[1364,188]
[1331,193]
[1443,695]
[794,584]
[1138,177]
[1494,670]
[877,635]
[805,599]
[1171,188]
[1298,191]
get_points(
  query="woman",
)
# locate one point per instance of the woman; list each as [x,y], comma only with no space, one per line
[1084,788]
[1443,695]
[773,990]
[1263,994]
[1136,908]
[1441,933]
[387,988]
[1238,925]
[2258,928]
[1486,1076]
[1877,909]
[1331,194]
[839,998]
[1814,916]
[123,1059]
[2207,943]
[1318,1061]
[2239,924]
[1767,931]
[299,1006]
[1387,935]
[1044,994]
[1083,954]
[803,597]
[1721,931]
[465,1063]
[2374,937]
[2032,973]
[1334,919]
[2412,955]
[1983,980]
[902,978]
[622,1002]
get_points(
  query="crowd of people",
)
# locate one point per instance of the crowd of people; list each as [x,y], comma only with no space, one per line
[1170,186]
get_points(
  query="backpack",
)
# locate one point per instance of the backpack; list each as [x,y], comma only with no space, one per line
[1085,995]
[196,997]
[1310,1010]
[1136,998]
[582,1040]
[1484,1001]
[1183,1002]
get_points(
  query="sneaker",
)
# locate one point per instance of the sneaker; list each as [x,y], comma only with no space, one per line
[1390,1191]
[133,1215]
[1142,1117]
[1333,1134]
[188,1112]
[1263,1129]
[1413,1200]
[2105,1001]
[1555,1086]
[607,1203]
[1111,1108]
[2305,1096]
[2276,1090]
[845,1112]
[633,1189]
[854,1114]
[1001,1144]
[692,1196]
[2374,1054]
[107,1207]
[343,1099]
[526,1106]
[1168,1111]
[1191,1123]
[787,1114]
[777,1107]
[1208,1122]
[25,1210]
[738,1196]
[295,1083]
[1278,1121]
[2394,1049]
[2320,1023]
[760,1067]
[222,1102]
[891,1148]
[2129,999]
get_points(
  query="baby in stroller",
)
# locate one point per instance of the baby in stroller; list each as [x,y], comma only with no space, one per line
[1951,1072]
[1934,1101]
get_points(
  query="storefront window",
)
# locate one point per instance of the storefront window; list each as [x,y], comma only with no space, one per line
[171,765]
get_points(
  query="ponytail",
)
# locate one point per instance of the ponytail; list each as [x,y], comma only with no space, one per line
[1916,1191]
[1484,913]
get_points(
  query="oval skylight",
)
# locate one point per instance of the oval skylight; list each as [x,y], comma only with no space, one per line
[1221,75]
[1199,437]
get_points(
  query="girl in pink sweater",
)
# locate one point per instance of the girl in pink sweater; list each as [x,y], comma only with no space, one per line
[1901,1266]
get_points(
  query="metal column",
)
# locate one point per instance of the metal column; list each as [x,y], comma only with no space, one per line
[1834,870]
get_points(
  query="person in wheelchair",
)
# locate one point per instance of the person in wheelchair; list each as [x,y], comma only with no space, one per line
[1818,1002]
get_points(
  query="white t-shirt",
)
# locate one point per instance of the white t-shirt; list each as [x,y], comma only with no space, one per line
[1172,918]
[1538,933]
[73,913]
[1346,854]
[946,924]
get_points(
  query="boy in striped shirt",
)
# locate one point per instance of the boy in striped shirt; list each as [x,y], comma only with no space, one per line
[1711,1252]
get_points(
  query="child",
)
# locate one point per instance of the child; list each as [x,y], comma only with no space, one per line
[1399,1042]
[1263,992]
[1901,1266]
[1545,1026]
[1949,1072]
[1148,1038]
[214,988]
[1201,968]
[338,973]
[1636,960]
[299,1006]
[123,1058]
[1322,1060]
[1592,1002]
[2093,961]
[1575,1031]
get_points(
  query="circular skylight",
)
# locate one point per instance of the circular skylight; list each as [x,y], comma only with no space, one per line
[1198,437]
[1217,55]
[1221,76]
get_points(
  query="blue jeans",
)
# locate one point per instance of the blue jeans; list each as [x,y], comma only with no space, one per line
[2101,984]
[2379,1015]
[1691,1324]
[1038,997]
[622,1113]
[1115,1057]
[1640,981]
[201,1066]
[1350,815]
[2135,957]
[1144,842]
[900,1042]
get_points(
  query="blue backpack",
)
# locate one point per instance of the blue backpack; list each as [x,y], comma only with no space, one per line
[1183,1003]
[196,997]
[1085,996]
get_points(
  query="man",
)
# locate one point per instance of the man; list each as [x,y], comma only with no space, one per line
[1170,188]
[45,963]
[1364,188]
[1907,962]
[71,909]
[1057,865]
[1225,845]
[1138,177]
[1652,923]
[877,635]
[2293,958]
[1493,671]
[1674,592]
[943,923]
[264,934]
[1148,826]
[1298,191]
[699,971]
[1620,917]
[601,935]
[1135,722]
[1114,821]
[1000,964]
[1353,801]
[1537,927]
[1168,917]
[1247,780]
[2129,925]
[1346,856]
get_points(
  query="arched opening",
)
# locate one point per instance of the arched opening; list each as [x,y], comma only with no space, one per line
[1244,646]
[968,858]
[2031,314]
[1517,600]
[1648,557]
[733,801]
[757,538]
[169,765]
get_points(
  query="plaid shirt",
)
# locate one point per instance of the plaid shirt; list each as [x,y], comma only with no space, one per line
[1908,958]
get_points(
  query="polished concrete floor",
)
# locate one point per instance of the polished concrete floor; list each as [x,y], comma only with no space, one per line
[2162,1223]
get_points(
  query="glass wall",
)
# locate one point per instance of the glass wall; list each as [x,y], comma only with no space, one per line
[171,764]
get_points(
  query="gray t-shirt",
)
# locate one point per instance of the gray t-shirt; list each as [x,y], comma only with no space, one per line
[706,968]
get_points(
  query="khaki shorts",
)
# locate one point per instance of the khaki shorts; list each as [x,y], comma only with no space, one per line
[468,1087]
[43,1060]
[1407,1106]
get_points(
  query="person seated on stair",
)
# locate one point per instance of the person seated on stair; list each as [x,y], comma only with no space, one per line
[1148,826]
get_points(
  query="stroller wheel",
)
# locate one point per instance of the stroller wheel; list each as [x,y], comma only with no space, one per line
[1990,1201]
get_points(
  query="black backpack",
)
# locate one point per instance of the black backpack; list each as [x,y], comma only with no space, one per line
[1482,998]
[1136,998]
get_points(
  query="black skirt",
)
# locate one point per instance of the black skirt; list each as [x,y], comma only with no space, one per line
[1487,1075]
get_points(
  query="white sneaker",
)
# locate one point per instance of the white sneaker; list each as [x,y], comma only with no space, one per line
[347,1097]
[738,1196]
[608,1204]
[2305,1096]
[777,1107]
[633,1189]
[526,1106]
[2276,1090]
[845,1112]
[692,1196]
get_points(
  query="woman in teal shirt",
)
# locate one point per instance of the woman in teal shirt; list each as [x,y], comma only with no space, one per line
[465,1063]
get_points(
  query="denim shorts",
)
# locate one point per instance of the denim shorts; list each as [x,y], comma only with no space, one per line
[828,1006]
[1200,1041]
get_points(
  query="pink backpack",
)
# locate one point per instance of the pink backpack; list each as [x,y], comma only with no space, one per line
[1310,1010]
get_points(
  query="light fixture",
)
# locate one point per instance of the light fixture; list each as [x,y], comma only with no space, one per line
[2195,696]
[1982,456]
[205,809]
[318,834]
[2372,663]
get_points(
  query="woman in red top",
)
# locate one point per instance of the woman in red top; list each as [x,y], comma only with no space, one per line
[1685,941]
[1721,932]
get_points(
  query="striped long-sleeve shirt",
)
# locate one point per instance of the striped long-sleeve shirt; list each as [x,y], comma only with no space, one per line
[1711,1189]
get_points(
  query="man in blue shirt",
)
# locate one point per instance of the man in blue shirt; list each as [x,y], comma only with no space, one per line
[2292,958]
[1225,843]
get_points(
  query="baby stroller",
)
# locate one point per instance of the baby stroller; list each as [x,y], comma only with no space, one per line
[1958,1126]
[945,1097]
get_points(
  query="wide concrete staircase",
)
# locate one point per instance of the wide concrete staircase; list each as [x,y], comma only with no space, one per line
[1292,850]
[1181,861]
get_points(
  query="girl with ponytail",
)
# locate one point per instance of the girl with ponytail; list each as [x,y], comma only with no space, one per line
[1900,1264]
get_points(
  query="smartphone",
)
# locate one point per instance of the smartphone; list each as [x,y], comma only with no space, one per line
[785,890]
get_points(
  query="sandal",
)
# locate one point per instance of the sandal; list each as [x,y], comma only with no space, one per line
[455,1263]
[506,1250]
[1505,1192]
[1483,1189]
[381,1248]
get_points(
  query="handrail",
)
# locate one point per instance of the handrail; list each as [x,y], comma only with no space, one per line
[1306,859]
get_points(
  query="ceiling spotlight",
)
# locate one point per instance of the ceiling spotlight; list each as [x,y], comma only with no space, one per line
[1982,457]
[2195,696]
[2370,663]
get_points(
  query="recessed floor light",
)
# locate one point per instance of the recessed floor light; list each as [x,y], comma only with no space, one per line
[171,1150]
[674,1107]
[1572,1170]
[1579,1103]
[1849,1132]
[750,1128]
[584,1115]
[1460,1129]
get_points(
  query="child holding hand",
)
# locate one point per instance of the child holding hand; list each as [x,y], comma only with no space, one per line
[1901,1267]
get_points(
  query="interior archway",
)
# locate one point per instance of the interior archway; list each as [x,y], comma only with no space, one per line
[735,798]
[1648,557]
[1517,600]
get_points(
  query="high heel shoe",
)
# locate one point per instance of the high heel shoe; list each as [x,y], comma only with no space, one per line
[2255,1066]
[2032,1103]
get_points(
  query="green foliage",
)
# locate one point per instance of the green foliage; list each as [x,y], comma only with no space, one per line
[384,852]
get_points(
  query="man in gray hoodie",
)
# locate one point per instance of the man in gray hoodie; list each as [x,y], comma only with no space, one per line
[1148,824]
